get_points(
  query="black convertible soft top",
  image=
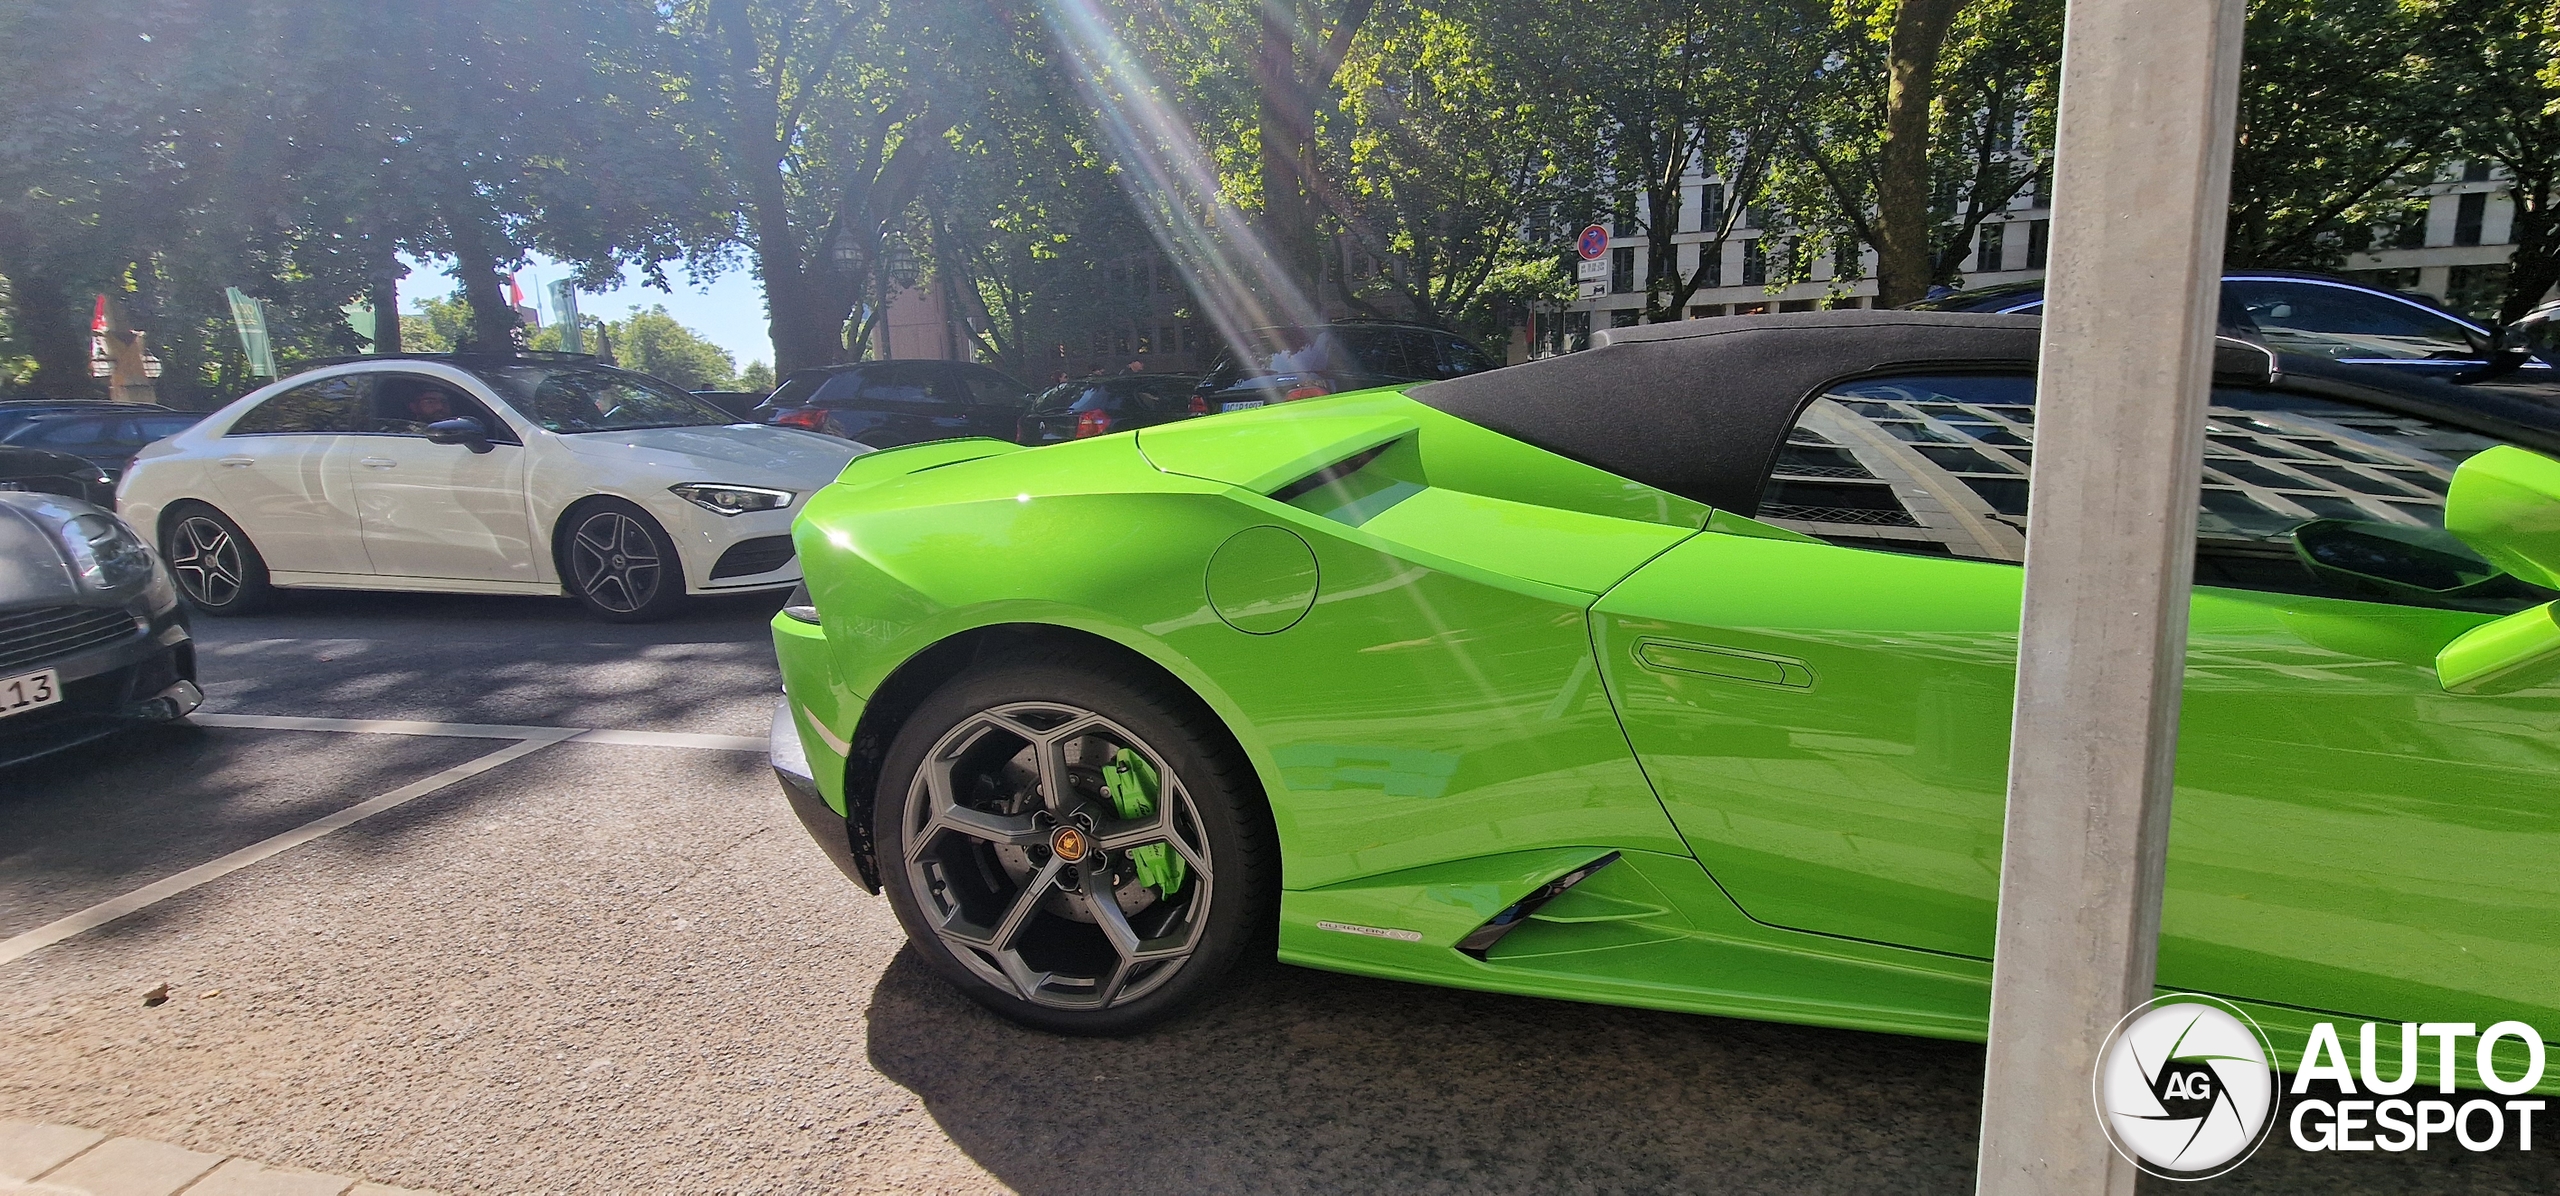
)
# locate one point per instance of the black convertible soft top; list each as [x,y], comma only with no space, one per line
[1699,407]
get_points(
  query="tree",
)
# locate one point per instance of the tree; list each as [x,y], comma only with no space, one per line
[656,344]
[1454,139]
[1848,182]
[2509,84]
[2343,104]
[757,377]
[824,119]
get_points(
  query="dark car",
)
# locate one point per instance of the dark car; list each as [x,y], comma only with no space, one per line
[14,412]
[2314,315]
[43,472]
[885,404]
[107,439]
[93,639]
[1099,406]
[1275,365]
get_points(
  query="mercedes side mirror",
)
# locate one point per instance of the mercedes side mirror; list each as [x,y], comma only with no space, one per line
[2505,504]
[463,430]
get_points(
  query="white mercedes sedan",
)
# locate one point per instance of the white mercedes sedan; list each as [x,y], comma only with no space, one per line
[517,474]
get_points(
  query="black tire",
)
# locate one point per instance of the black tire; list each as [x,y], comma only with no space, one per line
[218,571]
[618,563]
[1066,967]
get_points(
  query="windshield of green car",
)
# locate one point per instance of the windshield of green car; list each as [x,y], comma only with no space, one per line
[591,398]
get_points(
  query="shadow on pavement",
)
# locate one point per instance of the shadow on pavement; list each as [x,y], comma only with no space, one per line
[1296,1080]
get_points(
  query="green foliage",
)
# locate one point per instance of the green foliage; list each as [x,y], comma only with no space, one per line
[1991,132]
[654,343]
[757,377]
[2343,105]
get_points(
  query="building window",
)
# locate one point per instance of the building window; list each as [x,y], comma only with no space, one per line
[1796,305]
[1190,337]
[2468,212]
[1577,331]
[1986,254]
[1755,264]
[2475,170]
[1711,207]
[1120,341]
[1622,223]
[1164,279]
[1622,270]
[1625,317]
[1711,310]
[2037,231]
[1712,257]
[1751,309]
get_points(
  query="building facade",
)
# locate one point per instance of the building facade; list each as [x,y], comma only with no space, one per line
[2453,247]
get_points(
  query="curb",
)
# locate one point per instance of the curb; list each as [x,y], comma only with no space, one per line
[64,1160]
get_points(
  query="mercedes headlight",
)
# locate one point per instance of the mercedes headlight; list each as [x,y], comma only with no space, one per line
[731,500]
[105,554]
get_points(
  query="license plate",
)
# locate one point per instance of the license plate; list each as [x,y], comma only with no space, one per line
[1240,406]
[23,693]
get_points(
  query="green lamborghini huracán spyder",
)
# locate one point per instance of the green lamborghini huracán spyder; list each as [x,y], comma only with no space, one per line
[1676,673]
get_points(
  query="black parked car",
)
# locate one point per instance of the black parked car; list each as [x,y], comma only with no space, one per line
[1278,364]
[93,639]
[14,412]
[1100,406]
[43,472]
[885,404]
[2314,315]
[108,439]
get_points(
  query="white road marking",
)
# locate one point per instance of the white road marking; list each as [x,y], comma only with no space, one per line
[384,726]
[22,945]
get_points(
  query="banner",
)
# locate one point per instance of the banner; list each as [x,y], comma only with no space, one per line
[250,316]
[564,312]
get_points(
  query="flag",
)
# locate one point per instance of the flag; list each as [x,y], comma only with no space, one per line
[250,317]
[564,312]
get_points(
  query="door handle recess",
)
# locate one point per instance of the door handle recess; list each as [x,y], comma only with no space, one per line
[377,463]
[1729,664]
[238,462]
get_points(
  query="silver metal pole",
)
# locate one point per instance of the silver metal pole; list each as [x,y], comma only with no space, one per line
[2142,183]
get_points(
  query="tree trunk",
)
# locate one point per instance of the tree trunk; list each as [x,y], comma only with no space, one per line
[386,303]
[475,266]
[1902,177]
[2536,267]
[1286,129]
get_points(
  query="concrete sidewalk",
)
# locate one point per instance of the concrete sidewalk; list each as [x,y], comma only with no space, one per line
[64,1160]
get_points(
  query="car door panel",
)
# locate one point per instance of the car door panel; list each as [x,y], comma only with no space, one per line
[1828,723]
[441,510]
[2345,835]
[285,473]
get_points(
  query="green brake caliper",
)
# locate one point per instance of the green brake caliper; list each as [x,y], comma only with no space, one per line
[1133,784]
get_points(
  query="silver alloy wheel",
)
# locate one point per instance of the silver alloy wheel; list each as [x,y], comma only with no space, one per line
[990,803]
[206,561]
[614,561]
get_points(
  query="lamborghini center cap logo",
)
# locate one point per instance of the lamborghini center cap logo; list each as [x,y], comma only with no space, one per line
[2184,1087]
[1068,842]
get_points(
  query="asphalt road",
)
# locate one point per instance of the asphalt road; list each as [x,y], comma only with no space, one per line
[609,967]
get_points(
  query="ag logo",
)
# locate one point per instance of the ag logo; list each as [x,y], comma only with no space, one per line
[2184,1088]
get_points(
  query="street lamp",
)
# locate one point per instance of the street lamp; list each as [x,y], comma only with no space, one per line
[903,265]
[846,249]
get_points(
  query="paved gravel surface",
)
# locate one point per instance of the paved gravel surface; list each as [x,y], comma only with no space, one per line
[606,968]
